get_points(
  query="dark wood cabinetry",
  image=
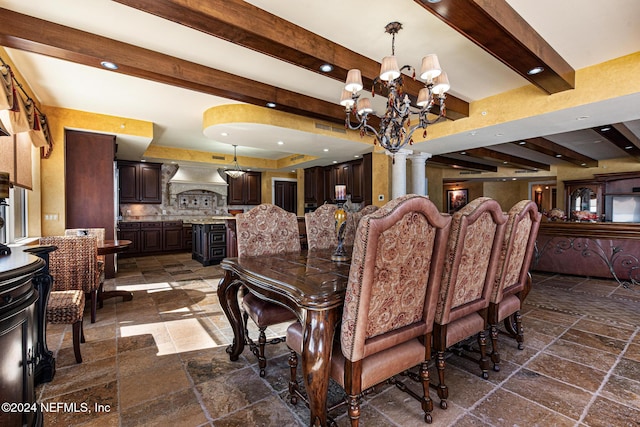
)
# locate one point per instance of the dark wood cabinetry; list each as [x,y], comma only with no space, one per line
[19,338]
[187,237]
[140,182]
[152,237]
[319,183]
[611,197]
[209,243]
[314,185]
[172,236]
[245,190]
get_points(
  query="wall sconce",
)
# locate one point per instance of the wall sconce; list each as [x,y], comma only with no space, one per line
[4,194]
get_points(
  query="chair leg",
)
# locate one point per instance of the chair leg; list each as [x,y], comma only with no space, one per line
[495,354]
[262,342]
[100,300]
[519,331]
[443,390]
[484,360]
[82,340]
[353,401]
[293,381]
[77,334]
[426,402]
[94,305]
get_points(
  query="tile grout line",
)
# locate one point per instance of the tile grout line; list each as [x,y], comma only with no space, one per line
[499,386]
[608,375]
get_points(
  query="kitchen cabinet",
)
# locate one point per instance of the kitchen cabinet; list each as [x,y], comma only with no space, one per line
[153,237]
[140,182]
[130,231]
[319,183]
[187,237]
[172,235]
[246,189]
[209,243]
[314,186]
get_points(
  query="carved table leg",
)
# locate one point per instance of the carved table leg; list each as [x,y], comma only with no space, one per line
[317,345]
[228,296]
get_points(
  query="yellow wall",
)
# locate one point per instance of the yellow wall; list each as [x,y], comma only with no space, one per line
[52,169]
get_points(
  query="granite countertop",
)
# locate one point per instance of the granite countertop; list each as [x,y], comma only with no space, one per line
[206,220]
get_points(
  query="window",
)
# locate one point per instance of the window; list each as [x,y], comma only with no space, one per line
[15,216]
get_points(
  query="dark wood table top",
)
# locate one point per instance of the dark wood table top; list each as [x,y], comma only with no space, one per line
[309,278]
[113,246]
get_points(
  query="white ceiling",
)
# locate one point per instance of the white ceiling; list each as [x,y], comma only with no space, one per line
[584,32]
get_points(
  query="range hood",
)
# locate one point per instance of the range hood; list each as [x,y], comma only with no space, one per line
[193,178]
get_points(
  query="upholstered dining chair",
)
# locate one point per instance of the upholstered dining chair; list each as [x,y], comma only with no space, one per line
[390,301]
[353,219]
[265,229]
[74,265]
[473,252]
[321,227]
[513,279]
[99,233]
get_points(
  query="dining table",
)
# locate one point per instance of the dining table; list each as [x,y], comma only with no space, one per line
[108,247]
[312,286]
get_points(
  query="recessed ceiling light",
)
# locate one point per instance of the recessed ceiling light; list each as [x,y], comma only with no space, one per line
[582,117]
[606,128]
[464,153]
[499,134]
[335,161]
[433,1]
[504,163]
[513,179]
[583,164]
[356,156]
[535,70]
[521,143]
[628,147]
[326,68]
[280,142]
[271,104]
[224,134]
[558,155]
[109,65]
[325,150]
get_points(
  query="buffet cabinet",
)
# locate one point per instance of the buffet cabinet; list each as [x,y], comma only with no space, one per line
[209,243]
[19,339]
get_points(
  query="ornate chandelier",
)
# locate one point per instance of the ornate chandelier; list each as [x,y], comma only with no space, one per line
[236,172]
[395,125]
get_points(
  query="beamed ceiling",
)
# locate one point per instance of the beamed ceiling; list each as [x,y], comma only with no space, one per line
[178,58]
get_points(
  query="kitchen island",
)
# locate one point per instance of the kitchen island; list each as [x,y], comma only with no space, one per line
[211,239]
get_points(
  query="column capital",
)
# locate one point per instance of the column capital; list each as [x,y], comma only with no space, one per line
[418,156]
[403,153]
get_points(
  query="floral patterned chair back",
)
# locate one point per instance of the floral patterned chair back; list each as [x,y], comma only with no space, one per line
[513,280]
[392,292]
[321,227]
[267,229]
[353,219]
[473,252]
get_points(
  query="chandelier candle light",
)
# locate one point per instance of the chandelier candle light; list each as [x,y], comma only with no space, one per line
[395,125]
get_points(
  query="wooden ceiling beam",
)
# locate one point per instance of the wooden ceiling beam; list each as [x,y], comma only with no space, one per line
[507,160]
[35,35]
[617,138]
[246,25]
[499,30]
[462,164]
[550,148]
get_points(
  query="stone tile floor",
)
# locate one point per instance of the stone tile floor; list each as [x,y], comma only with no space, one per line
[160,360]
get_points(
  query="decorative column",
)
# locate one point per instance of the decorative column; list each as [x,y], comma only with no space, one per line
[418,162]
[399,173]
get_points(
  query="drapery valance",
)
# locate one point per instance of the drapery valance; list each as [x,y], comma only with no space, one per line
[18,116]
